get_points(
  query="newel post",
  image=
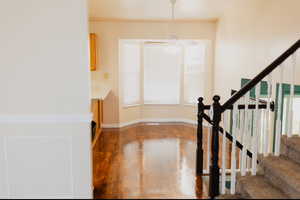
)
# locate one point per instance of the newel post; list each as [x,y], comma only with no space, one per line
[199,161]
[214,171]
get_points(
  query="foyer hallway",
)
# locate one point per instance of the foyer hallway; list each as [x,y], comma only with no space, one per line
[148,161]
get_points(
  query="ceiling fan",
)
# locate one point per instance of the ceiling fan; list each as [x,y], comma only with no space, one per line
[172,36]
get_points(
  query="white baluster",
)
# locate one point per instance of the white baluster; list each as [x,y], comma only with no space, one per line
[279,113]
[259,132]
[211,113]
[290,113]
[241,128]
[291,104]
[267,142]
[287,116]
[259,118]
[224,153]
[233,150]
[256,130]
[245,136]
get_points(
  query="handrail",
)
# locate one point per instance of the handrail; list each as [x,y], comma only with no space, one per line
[261,76]
[214,169]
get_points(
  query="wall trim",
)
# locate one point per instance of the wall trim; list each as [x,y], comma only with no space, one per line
[32,119]
[158,120]
[101,19]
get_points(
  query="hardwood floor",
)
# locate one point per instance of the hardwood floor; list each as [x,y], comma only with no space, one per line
[148,161]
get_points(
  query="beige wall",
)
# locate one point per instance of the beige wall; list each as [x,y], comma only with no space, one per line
[109,34]
[250,35]
[45,97]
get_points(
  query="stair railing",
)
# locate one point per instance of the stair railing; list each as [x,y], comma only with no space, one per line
[250,122]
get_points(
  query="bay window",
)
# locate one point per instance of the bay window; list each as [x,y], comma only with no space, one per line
[162,72]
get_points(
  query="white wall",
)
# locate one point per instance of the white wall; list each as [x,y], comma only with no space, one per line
[109,33]
[250,35]
[44,106]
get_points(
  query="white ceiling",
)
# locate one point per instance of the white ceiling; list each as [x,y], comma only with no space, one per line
[156,9]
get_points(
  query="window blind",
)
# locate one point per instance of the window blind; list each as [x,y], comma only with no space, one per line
[194,59]
[130,73]
[162,69]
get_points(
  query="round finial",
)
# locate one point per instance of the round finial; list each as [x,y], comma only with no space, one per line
[200,99]
[217,98]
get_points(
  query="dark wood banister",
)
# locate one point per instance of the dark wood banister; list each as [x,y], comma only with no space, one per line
[261,76]
[214,170]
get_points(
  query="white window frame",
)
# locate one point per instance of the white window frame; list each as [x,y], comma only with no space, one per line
[206,44]
[121,89]
[182,101]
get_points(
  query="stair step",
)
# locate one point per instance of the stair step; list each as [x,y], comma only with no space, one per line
[291,148]
[257,187]
[283,173]
[229,196]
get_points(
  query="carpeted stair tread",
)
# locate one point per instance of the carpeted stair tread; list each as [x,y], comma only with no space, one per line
[229,196]
[291,147]
[257,187]
[283,173]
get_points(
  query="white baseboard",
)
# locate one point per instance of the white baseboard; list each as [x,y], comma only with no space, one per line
[159,120]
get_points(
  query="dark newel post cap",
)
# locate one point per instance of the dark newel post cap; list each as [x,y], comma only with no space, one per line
[200,99]
[216,98]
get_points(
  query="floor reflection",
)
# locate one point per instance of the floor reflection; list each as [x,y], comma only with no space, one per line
[153,162]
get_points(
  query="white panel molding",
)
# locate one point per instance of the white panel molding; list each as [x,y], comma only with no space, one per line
[33,119]
[71,167]
[67,139]
[158,120]
[6,166]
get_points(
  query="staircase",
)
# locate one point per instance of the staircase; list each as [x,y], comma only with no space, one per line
[278,177]
[260,146]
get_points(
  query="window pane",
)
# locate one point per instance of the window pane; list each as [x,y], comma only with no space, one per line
[162,68]
[130,73]
[194,72]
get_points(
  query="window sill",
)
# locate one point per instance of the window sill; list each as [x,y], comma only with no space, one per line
[131,106]
[156,104]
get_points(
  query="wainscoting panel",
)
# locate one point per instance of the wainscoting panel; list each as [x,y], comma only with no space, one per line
[41,161]
[45,159]
[4,193]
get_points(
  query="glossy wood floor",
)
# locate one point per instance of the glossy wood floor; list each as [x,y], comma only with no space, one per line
[148,161]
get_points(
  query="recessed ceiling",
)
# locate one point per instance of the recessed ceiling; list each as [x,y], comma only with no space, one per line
[156,9]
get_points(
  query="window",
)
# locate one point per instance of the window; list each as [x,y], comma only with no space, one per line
[194,72]
[162,72]
[162,69]
[130,72]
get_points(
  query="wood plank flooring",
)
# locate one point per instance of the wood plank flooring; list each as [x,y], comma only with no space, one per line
[148,161]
